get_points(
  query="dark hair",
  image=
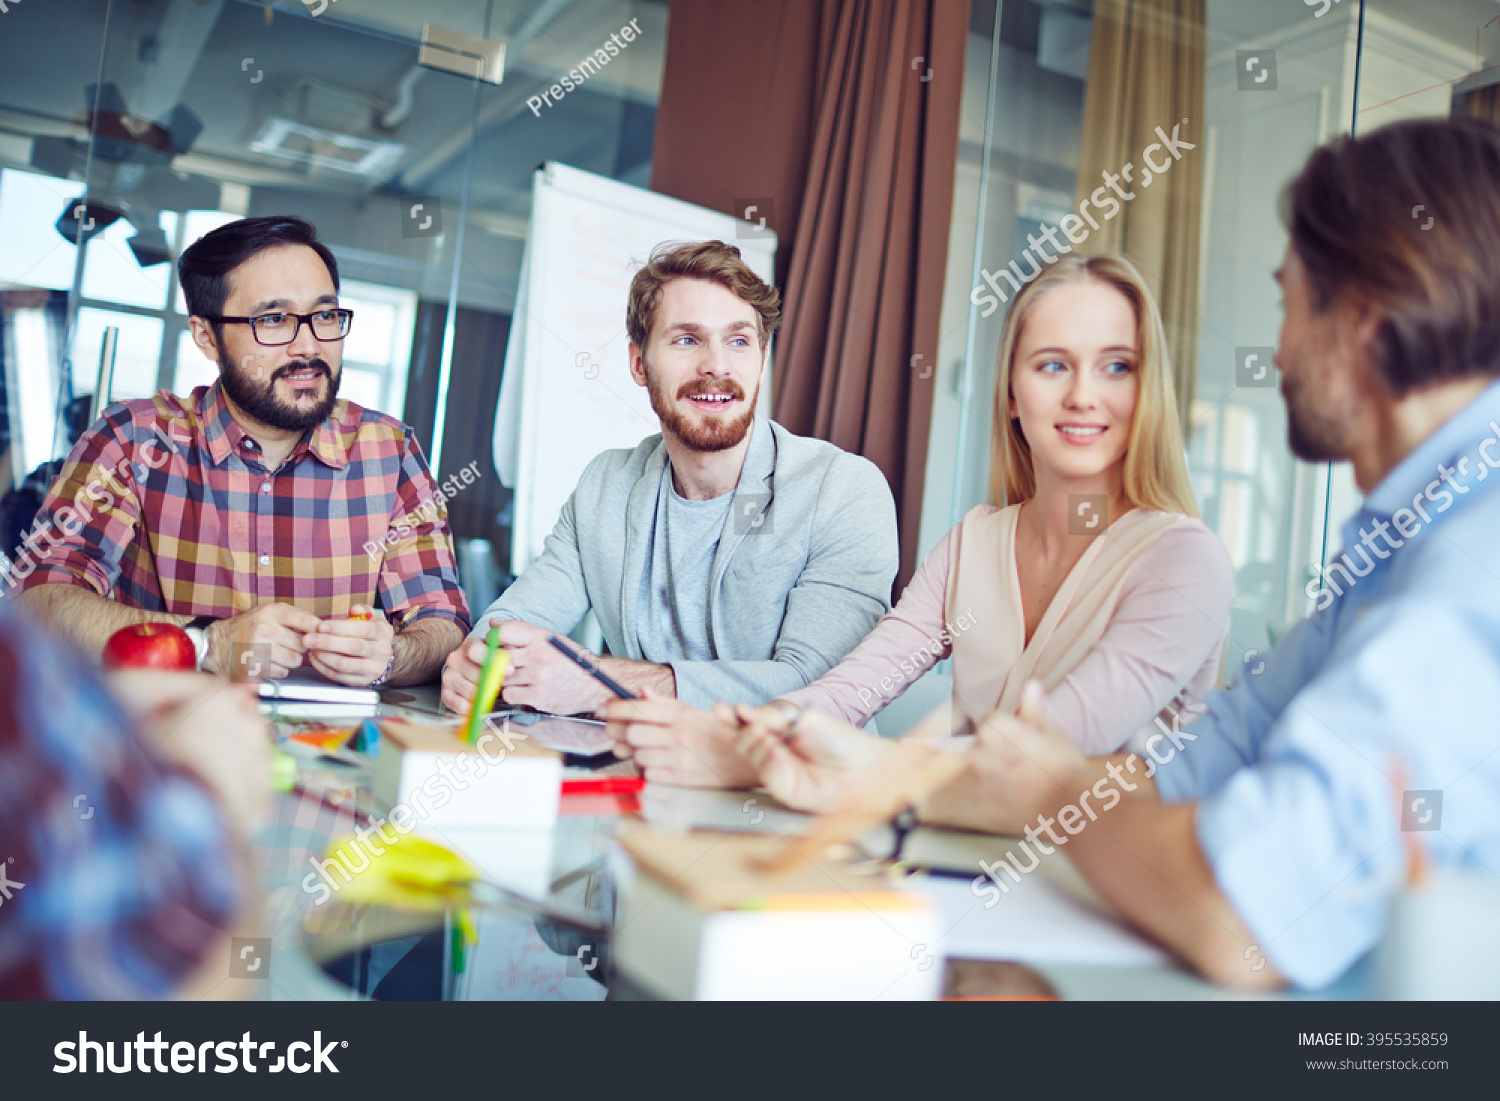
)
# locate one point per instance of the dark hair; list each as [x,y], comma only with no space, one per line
[713,261]
[204,266]
[1407,218]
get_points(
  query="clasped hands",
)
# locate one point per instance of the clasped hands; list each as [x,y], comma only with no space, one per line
[277,637]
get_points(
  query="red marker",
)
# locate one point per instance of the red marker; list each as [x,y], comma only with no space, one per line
[605,785]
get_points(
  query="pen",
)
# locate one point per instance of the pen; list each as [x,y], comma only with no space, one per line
[593,670]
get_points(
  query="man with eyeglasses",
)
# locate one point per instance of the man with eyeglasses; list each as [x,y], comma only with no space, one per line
[245,511]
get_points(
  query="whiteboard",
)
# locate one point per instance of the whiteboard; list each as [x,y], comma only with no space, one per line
[566,393]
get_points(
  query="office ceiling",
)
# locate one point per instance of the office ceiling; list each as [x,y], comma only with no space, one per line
[334,103]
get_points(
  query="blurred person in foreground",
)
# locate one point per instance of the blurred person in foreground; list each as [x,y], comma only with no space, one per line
[125,810]
[1267,848]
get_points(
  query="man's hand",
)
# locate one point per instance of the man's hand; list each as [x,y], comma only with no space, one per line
[542,678]
[208,727]
[1022,766]
[1142,856]
[272,635]
[461,675]
[811,766]
[352,651]
[538,676]
[675,743]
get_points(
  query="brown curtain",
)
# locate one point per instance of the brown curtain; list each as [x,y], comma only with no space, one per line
[1146,71]
[844,115]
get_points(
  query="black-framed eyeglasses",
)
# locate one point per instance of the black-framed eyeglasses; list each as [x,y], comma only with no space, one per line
[272,329]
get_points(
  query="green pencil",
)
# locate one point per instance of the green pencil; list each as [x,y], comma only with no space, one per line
[491,678]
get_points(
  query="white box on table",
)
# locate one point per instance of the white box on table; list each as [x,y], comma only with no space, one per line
[502,782]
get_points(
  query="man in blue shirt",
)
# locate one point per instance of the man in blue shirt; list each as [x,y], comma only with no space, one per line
[1291,811]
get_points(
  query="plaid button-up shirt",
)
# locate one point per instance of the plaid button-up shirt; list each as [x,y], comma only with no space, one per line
[167,503]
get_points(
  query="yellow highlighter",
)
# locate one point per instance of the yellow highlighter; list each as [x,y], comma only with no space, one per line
[491,679]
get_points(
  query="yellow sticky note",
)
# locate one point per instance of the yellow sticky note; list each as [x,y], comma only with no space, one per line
[412,874]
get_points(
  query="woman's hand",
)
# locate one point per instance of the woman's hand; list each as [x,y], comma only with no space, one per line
[675,743]
[1021,767]
[809,767]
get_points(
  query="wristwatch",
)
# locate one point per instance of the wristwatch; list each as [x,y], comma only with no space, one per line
[197,630]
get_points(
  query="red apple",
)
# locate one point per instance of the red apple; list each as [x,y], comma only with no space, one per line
[150,646]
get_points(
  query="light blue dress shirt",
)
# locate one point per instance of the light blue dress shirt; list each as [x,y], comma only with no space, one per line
[1383,705]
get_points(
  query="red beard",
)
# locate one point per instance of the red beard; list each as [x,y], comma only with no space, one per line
[715,433]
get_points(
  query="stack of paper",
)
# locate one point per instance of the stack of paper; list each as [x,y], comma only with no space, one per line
[701,920]
[1048,915]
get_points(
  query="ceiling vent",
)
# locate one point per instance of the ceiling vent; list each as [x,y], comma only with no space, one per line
[326,149]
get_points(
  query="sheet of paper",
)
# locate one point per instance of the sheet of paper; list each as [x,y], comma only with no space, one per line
[676,808]
[561,733]
[581,736]
[1036,922]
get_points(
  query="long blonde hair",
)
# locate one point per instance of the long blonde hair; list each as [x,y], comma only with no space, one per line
[1155,471]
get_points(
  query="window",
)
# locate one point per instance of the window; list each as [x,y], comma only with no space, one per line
[378,347]
[137,352]
[35,254]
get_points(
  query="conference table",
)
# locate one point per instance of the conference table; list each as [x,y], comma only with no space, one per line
[549,934]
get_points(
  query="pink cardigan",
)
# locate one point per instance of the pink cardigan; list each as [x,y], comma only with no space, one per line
[1161,647]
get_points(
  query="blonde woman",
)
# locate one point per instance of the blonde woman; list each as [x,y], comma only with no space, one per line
[1090,573]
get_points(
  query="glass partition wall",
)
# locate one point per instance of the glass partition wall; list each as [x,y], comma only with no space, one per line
[1278,79]
[128,128]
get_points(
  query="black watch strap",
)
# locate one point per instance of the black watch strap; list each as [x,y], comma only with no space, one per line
[203,622]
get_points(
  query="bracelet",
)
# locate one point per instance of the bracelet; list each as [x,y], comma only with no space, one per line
[378,681]
[901,826]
